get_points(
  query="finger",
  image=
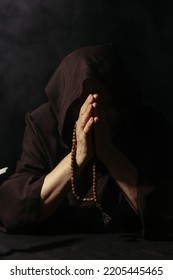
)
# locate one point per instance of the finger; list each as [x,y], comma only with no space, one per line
[96,119]
[83,119]
[97,124]
[88,101]
[89,126]
[95,109]
[96,97]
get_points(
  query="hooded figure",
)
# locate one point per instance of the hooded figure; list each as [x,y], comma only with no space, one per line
[120,184]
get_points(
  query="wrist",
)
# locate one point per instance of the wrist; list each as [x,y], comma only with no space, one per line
[81,161]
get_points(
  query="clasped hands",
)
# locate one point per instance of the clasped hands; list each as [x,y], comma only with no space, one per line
[92,132]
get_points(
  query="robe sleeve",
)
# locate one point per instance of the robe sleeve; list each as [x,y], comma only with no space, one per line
[20,194]
[155,185]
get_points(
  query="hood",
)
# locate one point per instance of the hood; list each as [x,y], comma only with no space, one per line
[99,64]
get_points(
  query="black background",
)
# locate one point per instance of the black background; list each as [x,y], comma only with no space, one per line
[35,35]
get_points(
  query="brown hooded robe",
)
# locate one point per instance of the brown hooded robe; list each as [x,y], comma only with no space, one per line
[144,137]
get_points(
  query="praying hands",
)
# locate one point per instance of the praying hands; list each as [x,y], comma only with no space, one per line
[94,138]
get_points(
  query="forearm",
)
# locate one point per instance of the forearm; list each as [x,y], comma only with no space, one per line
[55,187]
[125,175]
[57,184]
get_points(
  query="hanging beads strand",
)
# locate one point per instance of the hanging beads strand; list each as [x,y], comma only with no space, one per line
[105,216]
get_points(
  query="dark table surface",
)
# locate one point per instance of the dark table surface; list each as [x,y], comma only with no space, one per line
[83,247]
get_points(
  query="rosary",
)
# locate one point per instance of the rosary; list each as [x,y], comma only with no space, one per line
[106,218]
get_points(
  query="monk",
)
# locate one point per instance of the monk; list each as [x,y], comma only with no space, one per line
[95,159]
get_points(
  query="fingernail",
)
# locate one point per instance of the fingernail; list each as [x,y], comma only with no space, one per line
[96,95]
